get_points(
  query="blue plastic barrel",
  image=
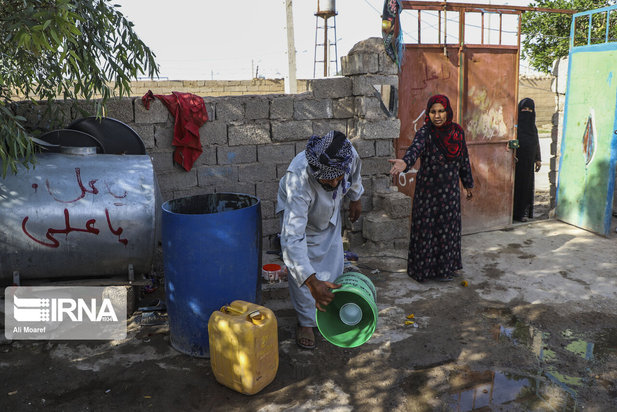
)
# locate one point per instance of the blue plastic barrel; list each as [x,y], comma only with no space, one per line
[212,256]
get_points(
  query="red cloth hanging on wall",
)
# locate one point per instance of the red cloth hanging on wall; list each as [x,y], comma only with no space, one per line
[190,113]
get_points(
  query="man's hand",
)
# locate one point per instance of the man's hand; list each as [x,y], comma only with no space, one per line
[355,209]
[321,291]
[538,165]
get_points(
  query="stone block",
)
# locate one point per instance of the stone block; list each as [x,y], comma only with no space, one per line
[395,204]
[281,169]
[384,148]
[270,226]
[322,127]
[380,129]
[192,191]
[305,109]
[214,175]
[78,109]
[387,65]
[177,180]
[378,227]
[560,71]
[146,132]
[162,162]
[331,87]
[355,239]
[230,110]
[257,172]
[267,208]
[375,166]
[157,113]
[554,148]
[365,148]
[301,146]
[236,154]
[360,63]
[249,133]
[343,108]
[210,108]
[36,118]
[120,109]
[368,187]
[365,85]
[282,108]
[287,131]
[552,177]
[163,136]
[237,187]
[267,190]
[370,108]
[167,195]
[214,132]
[367,204]
[207,157]
[381,182]
[275,153]
[401,244]
[257,108]
[553,194]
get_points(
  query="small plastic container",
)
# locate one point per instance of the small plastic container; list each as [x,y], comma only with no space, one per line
[273,273]
[244,346]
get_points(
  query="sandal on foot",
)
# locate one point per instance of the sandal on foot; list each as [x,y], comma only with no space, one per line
[446,278]
[305,338]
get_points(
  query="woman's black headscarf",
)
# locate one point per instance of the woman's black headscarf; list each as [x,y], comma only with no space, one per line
[527,130]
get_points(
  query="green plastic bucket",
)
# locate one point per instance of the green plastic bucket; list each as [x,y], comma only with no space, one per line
[350,319]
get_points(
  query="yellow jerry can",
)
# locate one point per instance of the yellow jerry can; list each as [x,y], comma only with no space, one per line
[244,346]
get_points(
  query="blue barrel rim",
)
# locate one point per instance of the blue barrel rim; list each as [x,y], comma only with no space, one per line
[165,205]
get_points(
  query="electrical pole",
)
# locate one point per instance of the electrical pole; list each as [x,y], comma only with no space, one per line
[291,85]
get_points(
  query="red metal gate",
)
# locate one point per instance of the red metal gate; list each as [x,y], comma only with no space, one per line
[481,81]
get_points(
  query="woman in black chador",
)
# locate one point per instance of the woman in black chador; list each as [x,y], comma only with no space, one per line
[528,160]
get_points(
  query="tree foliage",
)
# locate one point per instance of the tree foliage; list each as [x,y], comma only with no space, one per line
[547,35]
[62,48]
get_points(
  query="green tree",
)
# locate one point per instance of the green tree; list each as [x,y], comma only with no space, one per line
[62,48]
[547,35]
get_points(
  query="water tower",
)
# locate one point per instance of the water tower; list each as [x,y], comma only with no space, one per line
[327,40]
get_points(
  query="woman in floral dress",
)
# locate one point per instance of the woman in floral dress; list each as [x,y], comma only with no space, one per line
[435,241]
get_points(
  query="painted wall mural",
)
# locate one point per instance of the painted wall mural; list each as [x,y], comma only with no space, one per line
[487,122]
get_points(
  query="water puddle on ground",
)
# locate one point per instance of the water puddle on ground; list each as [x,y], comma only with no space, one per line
[496,390]
[548,388]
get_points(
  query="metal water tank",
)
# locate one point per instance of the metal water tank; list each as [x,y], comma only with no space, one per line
[326,7]
[79,215]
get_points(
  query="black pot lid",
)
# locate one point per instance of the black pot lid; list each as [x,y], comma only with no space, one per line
[115,136]
[53,140]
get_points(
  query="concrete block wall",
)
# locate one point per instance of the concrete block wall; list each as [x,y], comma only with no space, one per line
[558,87]
[387,226]
[250,140]
[212,88]
[538,88]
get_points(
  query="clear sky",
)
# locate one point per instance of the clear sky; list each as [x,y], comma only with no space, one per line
[226,40]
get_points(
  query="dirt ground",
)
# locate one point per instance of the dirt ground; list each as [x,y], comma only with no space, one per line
[535,329]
